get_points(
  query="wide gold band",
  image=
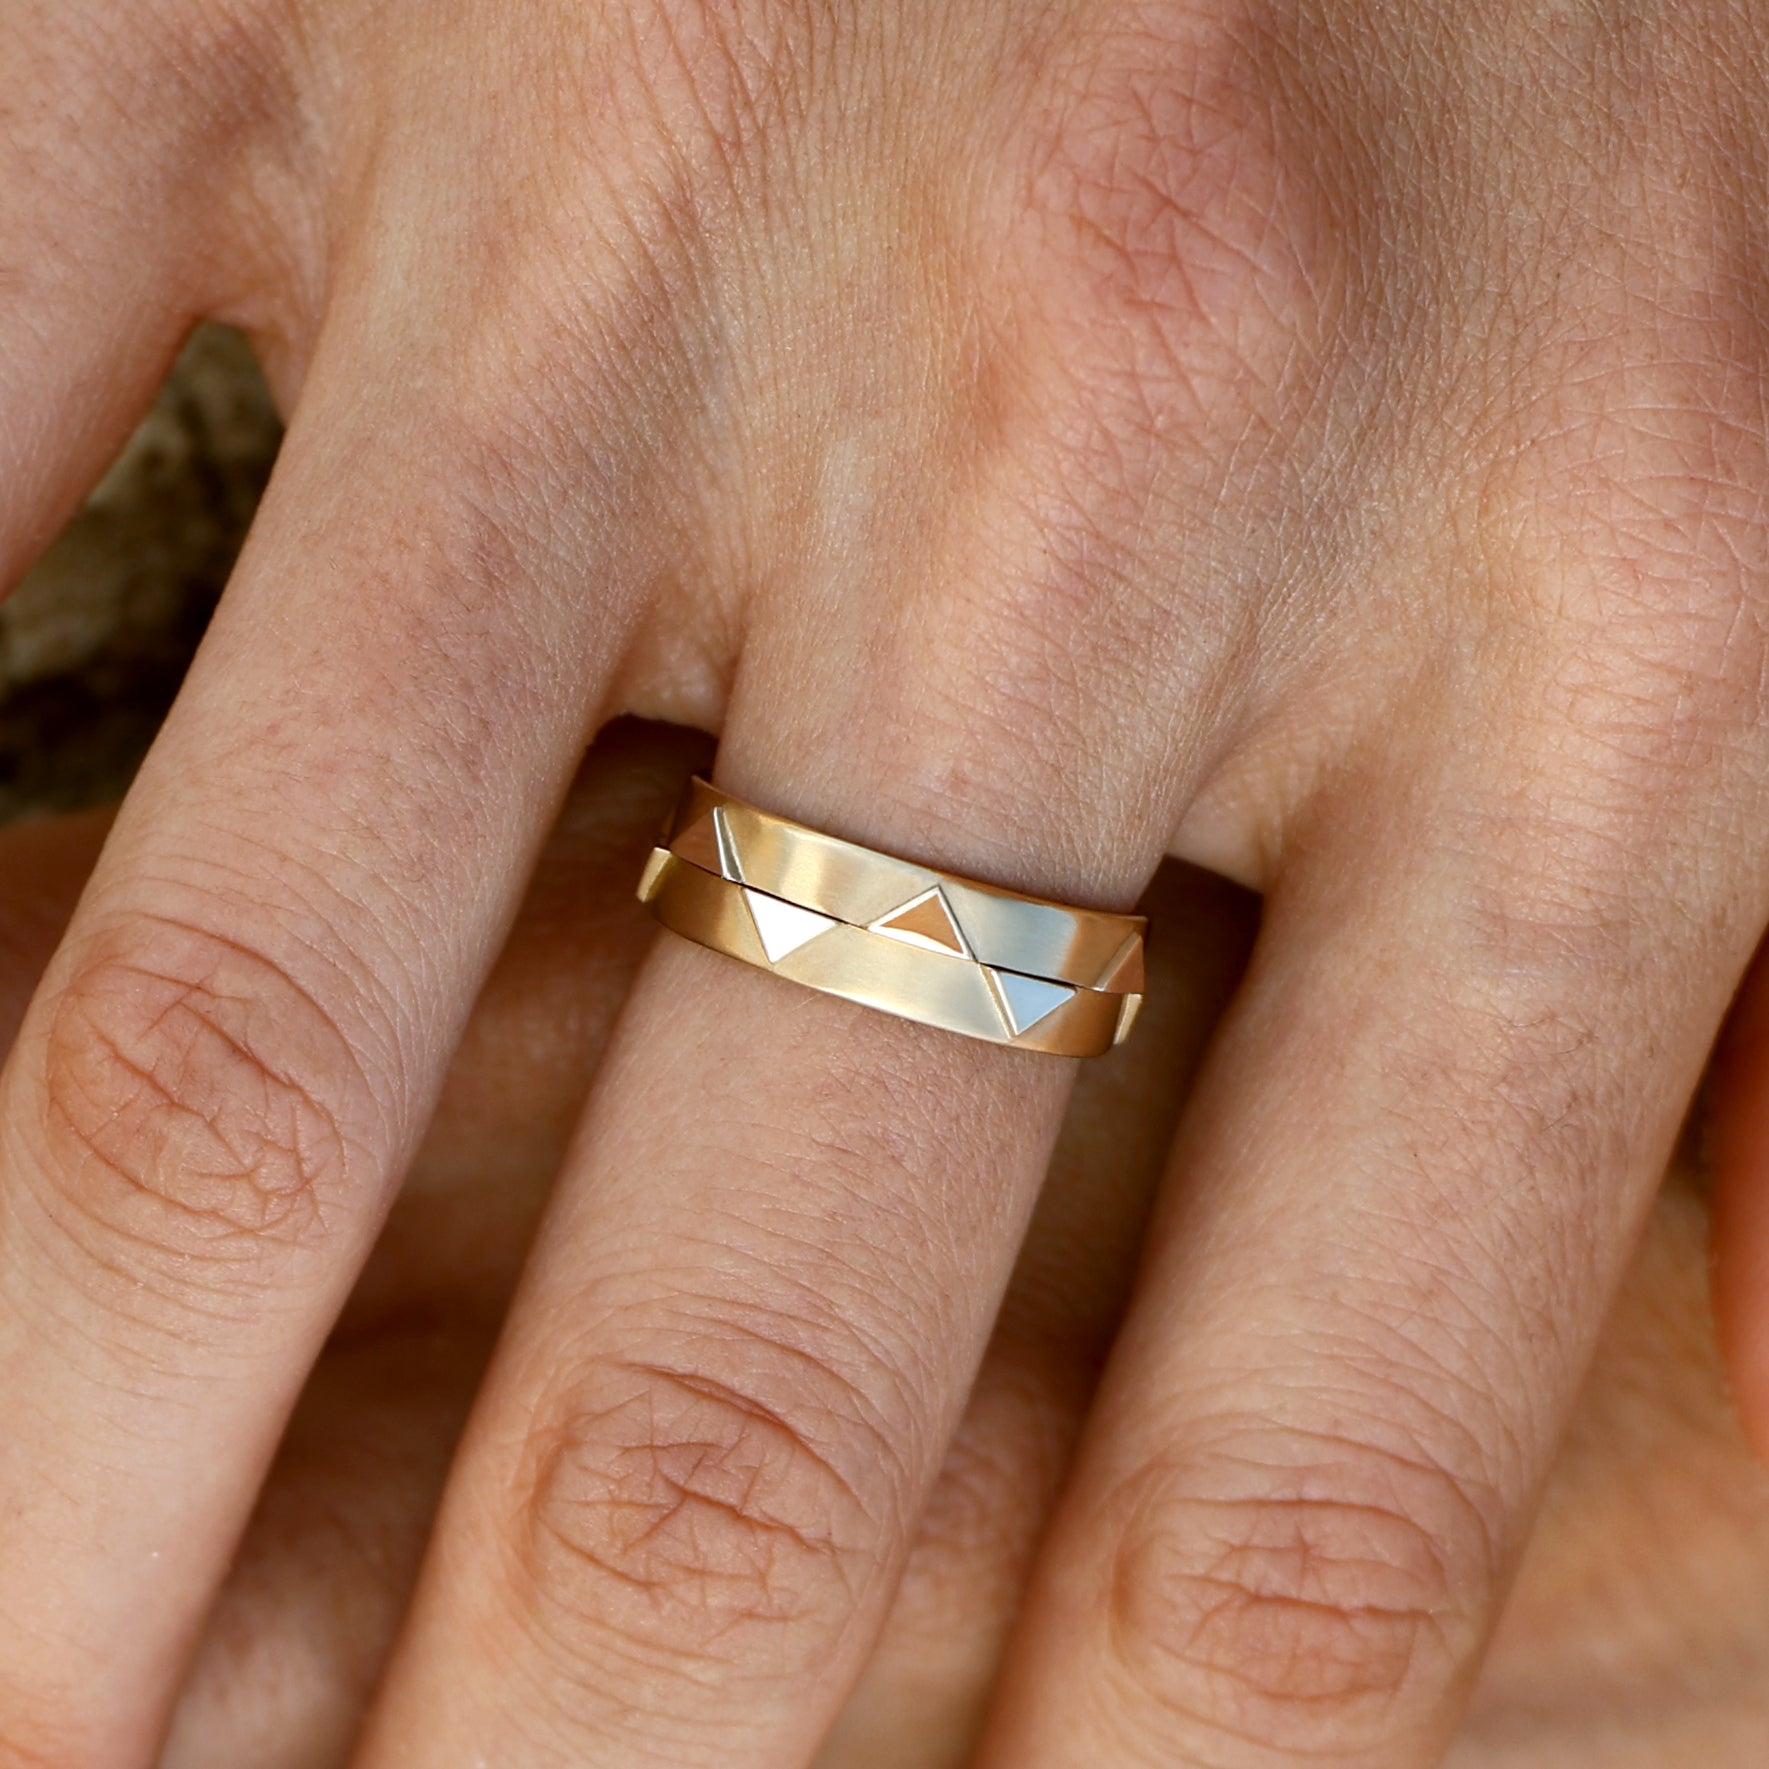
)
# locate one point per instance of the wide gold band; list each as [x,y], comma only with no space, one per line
[907,939]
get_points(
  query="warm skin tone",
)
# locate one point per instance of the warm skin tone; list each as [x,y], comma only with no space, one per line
[1637,1638]
[1321,441]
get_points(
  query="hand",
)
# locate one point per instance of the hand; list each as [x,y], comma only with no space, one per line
[1327,447]
[1644,1573]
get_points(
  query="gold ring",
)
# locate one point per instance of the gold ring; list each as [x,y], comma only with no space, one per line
[907,939]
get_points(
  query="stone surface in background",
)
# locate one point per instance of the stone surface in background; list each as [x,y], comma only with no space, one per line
[95,641]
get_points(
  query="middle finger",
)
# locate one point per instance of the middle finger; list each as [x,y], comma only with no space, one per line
[780,1240]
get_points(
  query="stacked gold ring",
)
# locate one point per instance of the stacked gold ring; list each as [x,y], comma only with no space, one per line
[907,939]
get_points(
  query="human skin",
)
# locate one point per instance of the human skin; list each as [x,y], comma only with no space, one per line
[1321,442]
[1638,1634]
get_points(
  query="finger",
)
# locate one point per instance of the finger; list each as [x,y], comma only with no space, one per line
[313,1600]
[726,1385]
[1407,1192]
[296,1641]
[922,1699]
[231,1059]
[1740,1148]
[1636,1634]
[782,1234]
[120,146]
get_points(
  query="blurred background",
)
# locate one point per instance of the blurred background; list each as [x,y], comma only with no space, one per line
[94,643]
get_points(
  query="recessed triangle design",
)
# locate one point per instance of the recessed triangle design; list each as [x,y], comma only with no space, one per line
[1124,975]
[1027,1000]
[707,843]
[784,927]
[927,921]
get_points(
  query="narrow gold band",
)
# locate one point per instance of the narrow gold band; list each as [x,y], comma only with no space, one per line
[907,939]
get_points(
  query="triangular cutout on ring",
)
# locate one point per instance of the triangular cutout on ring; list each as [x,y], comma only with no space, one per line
[1027,1000]
[784,927]
[925,921]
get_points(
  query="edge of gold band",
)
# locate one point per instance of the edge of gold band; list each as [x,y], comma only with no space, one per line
[1030,936]
[913,982]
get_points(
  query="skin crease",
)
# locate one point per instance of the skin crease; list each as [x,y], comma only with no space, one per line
[1638,1634]
[1324,442]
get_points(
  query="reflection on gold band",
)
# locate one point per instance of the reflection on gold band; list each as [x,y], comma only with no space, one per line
[906,939]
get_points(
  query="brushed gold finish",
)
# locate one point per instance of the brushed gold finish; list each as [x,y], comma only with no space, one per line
[905,939]
[840,878]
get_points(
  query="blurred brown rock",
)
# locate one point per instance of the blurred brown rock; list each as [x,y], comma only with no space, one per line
[95,641]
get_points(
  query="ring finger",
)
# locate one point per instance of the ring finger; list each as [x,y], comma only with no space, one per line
[731,1374]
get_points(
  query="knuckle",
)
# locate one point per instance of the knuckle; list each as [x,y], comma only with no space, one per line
[679,1513]
[1171,240]
[198,1102]
[1300,1593]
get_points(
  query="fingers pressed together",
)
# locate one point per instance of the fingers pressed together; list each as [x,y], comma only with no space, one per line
[1324,443]
[1643,1576]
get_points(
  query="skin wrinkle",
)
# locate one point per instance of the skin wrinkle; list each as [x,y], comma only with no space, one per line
[627,1501]
[824,1294]
[306,924]
[160,1304]
[770,1328]
[706,1310]
[1278,1591]
[100,1088]
[229,952]
[276,1205]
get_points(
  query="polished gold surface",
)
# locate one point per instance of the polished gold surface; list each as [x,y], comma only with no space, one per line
[907,939]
